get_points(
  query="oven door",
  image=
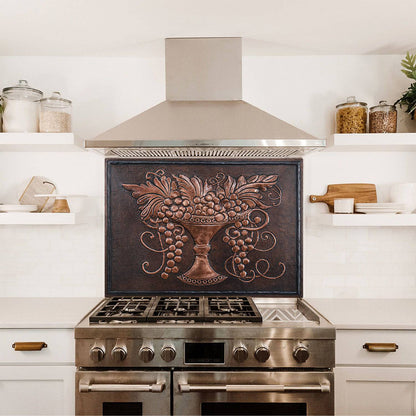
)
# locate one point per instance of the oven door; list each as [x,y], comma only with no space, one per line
[122,393]
[253,393]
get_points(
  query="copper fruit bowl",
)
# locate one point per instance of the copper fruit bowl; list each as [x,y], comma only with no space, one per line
[170,205]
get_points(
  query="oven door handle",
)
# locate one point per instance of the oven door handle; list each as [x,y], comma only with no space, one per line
[234,388]
[151,388]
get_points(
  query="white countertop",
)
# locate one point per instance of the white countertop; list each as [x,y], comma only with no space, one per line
[343,313]
[44,312]
[368,313]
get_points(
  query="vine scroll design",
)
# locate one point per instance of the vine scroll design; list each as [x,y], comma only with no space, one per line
[170,205]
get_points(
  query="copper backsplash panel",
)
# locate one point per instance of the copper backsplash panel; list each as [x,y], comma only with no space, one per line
[204,227]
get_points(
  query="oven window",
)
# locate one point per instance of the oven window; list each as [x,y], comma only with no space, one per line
[253,409]
[122,409]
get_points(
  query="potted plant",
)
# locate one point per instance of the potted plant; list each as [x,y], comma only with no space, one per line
[408,99]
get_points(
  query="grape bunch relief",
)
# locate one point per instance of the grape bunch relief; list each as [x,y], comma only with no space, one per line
[170,205]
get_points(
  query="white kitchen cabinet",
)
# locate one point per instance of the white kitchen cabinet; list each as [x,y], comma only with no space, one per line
[37,382]
[375,391]
[60,348]
[350,352]
[37,390]
[375,383]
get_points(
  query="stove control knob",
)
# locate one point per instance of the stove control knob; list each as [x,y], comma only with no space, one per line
[146,354]
[168,353]
[262,353]
[301,353]
[240,353]
[97,353]
[119,353]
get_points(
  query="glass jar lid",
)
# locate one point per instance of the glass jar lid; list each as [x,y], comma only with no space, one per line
[383,106]
[55,100]
[22,91]
[351,101]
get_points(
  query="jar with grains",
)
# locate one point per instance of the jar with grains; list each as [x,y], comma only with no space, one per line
[21,108]
[351,117]
[55,114]
[383,118]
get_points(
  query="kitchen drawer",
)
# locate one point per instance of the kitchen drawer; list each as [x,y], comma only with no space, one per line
[60,346]
[349,347]
[30,390]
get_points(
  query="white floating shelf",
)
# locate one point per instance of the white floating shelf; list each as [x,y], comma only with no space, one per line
[35,218]
[38,142]
[400,142]
[365,220]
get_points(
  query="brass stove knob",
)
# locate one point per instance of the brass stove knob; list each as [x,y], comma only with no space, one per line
[301,353]
[97,353]
[168,353]
[240,353]
[119,353]
[262,354]
[146,354]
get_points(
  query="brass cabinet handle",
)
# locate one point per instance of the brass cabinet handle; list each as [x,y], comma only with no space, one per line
[29,346]
[380,347]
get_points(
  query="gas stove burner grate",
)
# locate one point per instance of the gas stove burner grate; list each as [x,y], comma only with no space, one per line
[173,309]
[123,310]
[177,308]
[231,308]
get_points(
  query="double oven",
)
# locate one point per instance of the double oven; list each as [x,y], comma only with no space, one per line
[204,393]
[203,312]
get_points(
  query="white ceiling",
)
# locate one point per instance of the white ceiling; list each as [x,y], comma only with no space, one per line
[138,27]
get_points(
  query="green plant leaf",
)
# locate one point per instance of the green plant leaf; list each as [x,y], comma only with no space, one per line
[407,73]
[408,98]
[408,63]
[412,108]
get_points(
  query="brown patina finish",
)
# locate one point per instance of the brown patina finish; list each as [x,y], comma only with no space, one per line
[203,227]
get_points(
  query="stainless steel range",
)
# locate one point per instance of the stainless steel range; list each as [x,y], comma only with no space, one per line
[186,243]
[208,355]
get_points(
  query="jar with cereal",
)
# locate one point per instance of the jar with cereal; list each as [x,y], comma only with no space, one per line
[55,114]
[351,117]
[383,118]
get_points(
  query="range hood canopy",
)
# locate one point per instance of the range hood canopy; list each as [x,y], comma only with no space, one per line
[204,114]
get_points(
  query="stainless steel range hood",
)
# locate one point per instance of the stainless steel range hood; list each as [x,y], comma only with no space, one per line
[204,114]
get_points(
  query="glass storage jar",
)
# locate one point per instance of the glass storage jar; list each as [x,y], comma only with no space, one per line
[21,108]
[351,117]
[55,114]
[383,118]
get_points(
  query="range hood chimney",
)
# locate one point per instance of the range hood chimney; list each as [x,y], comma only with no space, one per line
[204,114]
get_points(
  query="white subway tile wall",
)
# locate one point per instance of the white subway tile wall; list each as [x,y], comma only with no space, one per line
[338,262]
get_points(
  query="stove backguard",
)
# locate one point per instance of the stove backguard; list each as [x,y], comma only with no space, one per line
[204,227]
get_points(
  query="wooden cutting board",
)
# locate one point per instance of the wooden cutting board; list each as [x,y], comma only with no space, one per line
[38,185]
[361,192]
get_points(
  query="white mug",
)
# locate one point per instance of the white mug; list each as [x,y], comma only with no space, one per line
[404,193]
[344,205]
